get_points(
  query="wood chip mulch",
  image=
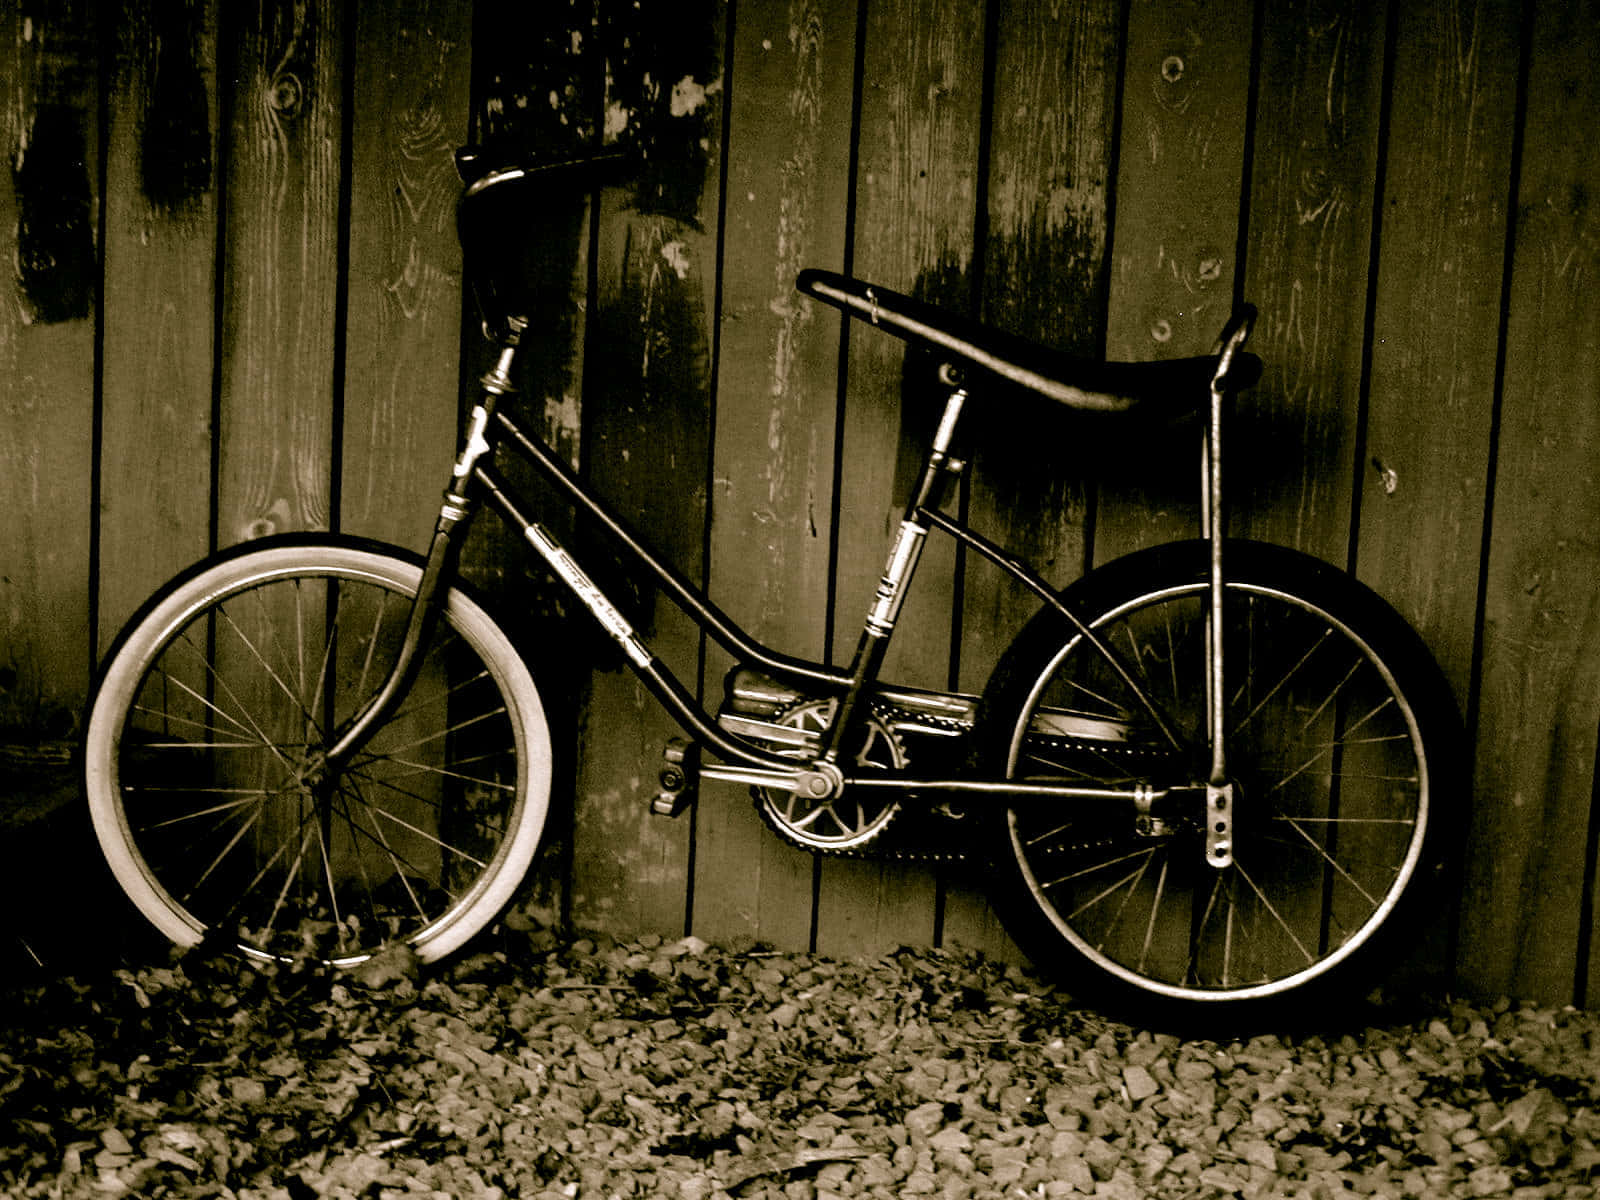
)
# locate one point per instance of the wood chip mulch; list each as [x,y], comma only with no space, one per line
[543,1069]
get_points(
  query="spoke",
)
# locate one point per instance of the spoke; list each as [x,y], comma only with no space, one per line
[1123,906]
[1191,970]
[1351,820]
[327,874]
[1068,769]
[1329,747]
[390,752]
[324,670]
[438,699]
[300,638]
[267,667]
[1034,841]
[201,745]
[288,880]
[243,829]
[1278,917]
[1099,866]
[423,833]
[1131,878]
[1155,910]
[1333,862]
[230,806]
[355,842]
[428,769]
[228,717]
[398,861]
[259,876]
[1281,684]
[432,802]
[222,683]
[167,718]
[372,644]
[1316,713]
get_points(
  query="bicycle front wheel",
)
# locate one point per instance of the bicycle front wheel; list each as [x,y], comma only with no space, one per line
[202,759]
[1340,734]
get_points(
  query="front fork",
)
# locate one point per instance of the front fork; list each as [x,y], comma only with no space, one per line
[1219,788]
[449,531]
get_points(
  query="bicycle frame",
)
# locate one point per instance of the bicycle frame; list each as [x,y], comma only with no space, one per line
[475,478]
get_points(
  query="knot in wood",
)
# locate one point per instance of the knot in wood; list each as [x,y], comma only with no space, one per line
[1172,68]
[285,94]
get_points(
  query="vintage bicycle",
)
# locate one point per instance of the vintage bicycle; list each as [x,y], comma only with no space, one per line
[1209,778]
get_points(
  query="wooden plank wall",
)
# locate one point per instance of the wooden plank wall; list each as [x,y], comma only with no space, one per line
[234,307]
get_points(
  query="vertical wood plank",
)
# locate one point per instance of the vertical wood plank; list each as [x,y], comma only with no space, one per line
[1437,317]
[790,96]
[1175,241]
[915,211]
[537,94]
[1436,334]
[403,320]
[49,90]
[1044,277]
[647,435]
[281,258]
[1540,697]
[160,302]
[1315,159]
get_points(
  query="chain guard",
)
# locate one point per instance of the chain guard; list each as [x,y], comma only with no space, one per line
[938,833]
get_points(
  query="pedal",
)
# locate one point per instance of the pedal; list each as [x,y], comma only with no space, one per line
[679,778]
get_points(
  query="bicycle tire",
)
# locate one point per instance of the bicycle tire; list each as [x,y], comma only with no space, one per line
[200,744]
[1343,741]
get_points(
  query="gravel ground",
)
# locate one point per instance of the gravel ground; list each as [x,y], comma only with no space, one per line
[592,1069]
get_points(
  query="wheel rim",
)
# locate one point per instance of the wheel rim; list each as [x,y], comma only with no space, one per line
[1328,825]
[228,818]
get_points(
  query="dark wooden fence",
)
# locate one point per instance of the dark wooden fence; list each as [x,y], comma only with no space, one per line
[236,308]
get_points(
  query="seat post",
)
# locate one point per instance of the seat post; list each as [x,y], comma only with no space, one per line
[904,555]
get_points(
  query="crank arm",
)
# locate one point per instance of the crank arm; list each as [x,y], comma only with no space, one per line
[785,781]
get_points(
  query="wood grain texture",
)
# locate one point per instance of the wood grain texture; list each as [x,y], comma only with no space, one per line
[1291,446]
[916,198]
[1540,700]
[160,301]
[1182,154]
[285,61]
[772,498]
[1044,277]
[403,314]
[1447,188]
[48,113]
[537,93]
[646,409]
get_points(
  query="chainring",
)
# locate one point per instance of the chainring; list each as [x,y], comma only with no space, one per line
[835,824]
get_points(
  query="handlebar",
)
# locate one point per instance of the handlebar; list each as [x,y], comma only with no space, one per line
[590,169]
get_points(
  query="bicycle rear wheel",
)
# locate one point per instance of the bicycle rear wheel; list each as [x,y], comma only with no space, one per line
[1341,739]
[202,746]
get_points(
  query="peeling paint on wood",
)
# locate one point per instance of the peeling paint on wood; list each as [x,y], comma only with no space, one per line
[771,508]
[647,434]
[173,41]
[916,198]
